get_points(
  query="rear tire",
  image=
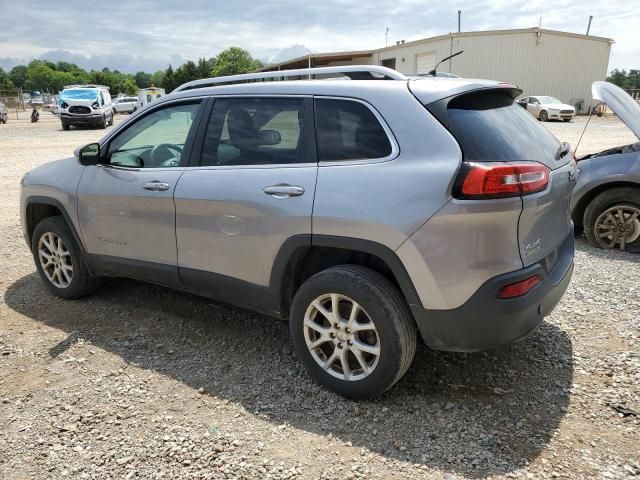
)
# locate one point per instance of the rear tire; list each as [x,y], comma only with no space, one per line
[60,261]
[544,117]
[372,349]
[602,220]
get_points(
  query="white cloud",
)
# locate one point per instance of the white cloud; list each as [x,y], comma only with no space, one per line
[156,33]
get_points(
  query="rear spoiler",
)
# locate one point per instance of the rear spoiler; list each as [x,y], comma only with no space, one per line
[439,108]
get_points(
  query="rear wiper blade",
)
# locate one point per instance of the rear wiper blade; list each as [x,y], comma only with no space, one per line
[563,149]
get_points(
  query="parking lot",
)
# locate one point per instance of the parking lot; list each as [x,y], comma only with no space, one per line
[139,381]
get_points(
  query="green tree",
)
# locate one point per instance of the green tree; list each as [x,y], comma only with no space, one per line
[40,75]
[157,79]
[633,79]
[169,82]
[129,86]
[18,75]
[618,77]
[143,79]
[186,72]
[5,80]
[624,79]
[205,67]
[66,67]
[234,60]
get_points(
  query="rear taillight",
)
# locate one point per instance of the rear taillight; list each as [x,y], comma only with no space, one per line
[487,180]
[519,288]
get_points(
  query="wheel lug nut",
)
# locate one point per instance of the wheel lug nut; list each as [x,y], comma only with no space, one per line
[339,345]
[336,325]
[349,342]
[347,330]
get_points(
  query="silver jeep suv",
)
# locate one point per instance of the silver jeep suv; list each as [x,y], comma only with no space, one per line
[364,209]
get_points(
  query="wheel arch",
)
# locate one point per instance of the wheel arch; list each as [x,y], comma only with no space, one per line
[577,215]
[302,256]
[38,208]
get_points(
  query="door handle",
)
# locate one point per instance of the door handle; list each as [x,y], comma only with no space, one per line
[284,191]
[156,186]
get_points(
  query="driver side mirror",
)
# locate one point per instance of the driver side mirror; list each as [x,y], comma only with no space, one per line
[89,154]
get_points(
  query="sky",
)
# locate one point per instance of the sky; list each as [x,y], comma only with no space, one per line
[149,35]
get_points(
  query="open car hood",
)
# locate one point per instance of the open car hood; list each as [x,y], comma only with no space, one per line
[625,107]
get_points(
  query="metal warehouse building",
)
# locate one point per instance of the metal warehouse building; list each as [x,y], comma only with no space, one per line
[540,61]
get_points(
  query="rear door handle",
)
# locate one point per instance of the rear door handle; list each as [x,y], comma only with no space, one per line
[156,186]
[284,191]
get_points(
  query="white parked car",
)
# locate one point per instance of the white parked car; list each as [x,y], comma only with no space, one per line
[125,105]
[548,108]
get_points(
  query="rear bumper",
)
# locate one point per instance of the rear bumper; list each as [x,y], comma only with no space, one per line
[485,321]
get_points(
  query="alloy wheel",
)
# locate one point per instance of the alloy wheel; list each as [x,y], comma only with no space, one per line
[618,226]
[55,260]
[341,337]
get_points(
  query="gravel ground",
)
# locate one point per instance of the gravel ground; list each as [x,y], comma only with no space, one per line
[139,381]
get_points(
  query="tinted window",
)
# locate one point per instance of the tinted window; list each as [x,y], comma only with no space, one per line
[254,131]
[348,130]
[490,127]
[155,140]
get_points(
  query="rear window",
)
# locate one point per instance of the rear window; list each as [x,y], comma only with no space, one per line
[491,127]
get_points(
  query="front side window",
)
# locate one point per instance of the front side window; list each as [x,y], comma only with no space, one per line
[254,131]
[155,140]
[348,130]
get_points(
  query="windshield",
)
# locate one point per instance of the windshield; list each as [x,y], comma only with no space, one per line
[79,94]
[552,100]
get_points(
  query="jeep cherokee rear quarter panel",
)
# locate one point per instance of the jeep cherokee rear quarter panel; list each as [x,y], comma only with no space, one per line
[386,200]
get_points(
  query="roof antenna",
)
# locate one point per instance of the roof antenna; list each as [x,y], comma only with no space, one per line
[459,15]
[386,38]
[433,72]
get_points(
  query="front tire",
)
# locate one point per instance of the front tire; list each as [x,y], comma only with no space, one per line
[60,261]
[612,220]
[353,331]
[65,126]
[544,117]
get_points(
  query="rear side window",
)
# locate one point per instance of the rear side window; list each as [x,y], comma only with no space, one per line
[254,131]
[491,127]
[348,130]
